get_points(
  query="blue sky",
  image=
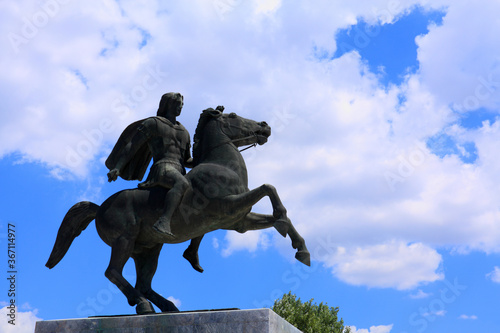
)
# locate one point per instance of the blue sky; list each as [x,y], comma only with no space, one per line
[384,118]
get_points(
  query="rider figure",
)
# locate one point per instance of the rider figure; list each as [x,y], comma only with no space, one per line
[167,142]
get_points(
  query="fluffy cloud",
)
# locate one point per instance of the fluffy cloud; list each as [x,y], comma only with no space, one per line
[373,329]
[467,317]
[371,178]
[494,275]
[394,265]
[439,313]
[250,241]
[177,302]
[78,73]
[419,294]
[25,321]
[467,53]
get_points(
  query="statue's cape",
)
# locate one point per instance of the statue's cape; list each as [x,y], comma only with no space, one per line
[136,158]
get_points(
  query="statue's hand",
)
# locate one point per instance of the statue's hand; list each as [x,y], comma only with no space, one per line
[113,175]
[189,163]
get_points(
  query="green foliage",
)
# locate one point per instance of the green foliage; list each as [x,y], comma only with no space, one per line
[309,317]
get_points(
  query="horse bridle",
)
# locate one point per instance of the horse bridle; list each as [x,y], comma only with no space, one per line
[247,137]
[252,135]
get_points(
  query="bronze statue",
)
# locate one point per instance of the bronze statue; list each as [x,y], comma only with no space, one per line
[217,197]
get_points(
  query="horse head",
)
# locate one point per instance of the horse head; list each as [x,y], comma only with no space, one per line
[242,131]
[227,128]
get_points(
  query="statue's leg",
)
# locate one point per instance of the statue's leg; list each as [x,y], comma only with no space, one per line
[146,263]
[121,250]
[172,200]
[191,253]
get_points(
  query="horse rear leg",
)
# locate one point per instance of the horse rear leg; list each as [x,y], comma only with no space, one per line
[146,263]
[121,250]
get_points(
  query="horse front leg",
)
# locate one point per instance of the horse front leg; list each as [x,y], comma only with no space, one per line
[299,243]
[248,199]
[255,221]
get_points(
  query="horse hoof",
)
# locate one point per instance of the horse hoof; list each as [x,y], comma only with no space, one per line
[282,226]
[304,257]
[144,307]
[168,306]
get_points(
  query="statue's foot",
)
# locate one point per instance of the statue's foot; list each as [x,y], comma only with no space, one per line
[193,259]
[162,226]
[144,307]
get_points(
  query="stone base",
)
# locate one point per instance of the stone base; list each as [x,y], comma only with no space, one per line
[248,321]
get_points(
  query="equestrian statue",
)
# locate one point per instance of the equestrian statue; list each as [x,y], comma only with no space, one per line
[171,206]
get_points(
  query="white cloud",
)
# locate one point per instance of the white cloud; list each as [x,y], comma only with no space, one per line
[467,317]
[215,242]
[372,329]
[391,265]
[267,6]
[420,294]
[439,313]
[177,302]
[494,275]
[467,53]
[249,241]
[86,65]
[25,321]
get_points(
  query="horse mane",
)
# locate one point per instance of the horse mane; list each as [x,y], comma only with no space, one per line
[198,135]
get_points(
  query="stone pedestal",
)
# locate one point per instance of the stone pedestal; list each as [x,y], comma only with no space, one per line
[241,321]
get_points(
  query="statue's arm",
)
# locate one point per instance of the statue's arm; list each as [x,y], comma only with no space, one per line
[188,160]
[113,175]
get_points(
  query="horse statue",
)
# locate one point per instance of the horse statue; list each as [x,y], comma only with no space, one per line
[218,198]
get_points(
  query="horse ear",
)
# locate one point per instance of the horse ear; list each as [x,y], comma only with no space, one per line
[212,112]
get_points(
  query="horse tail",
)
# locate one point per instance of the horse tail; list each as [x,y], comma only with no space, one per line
[76,220]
